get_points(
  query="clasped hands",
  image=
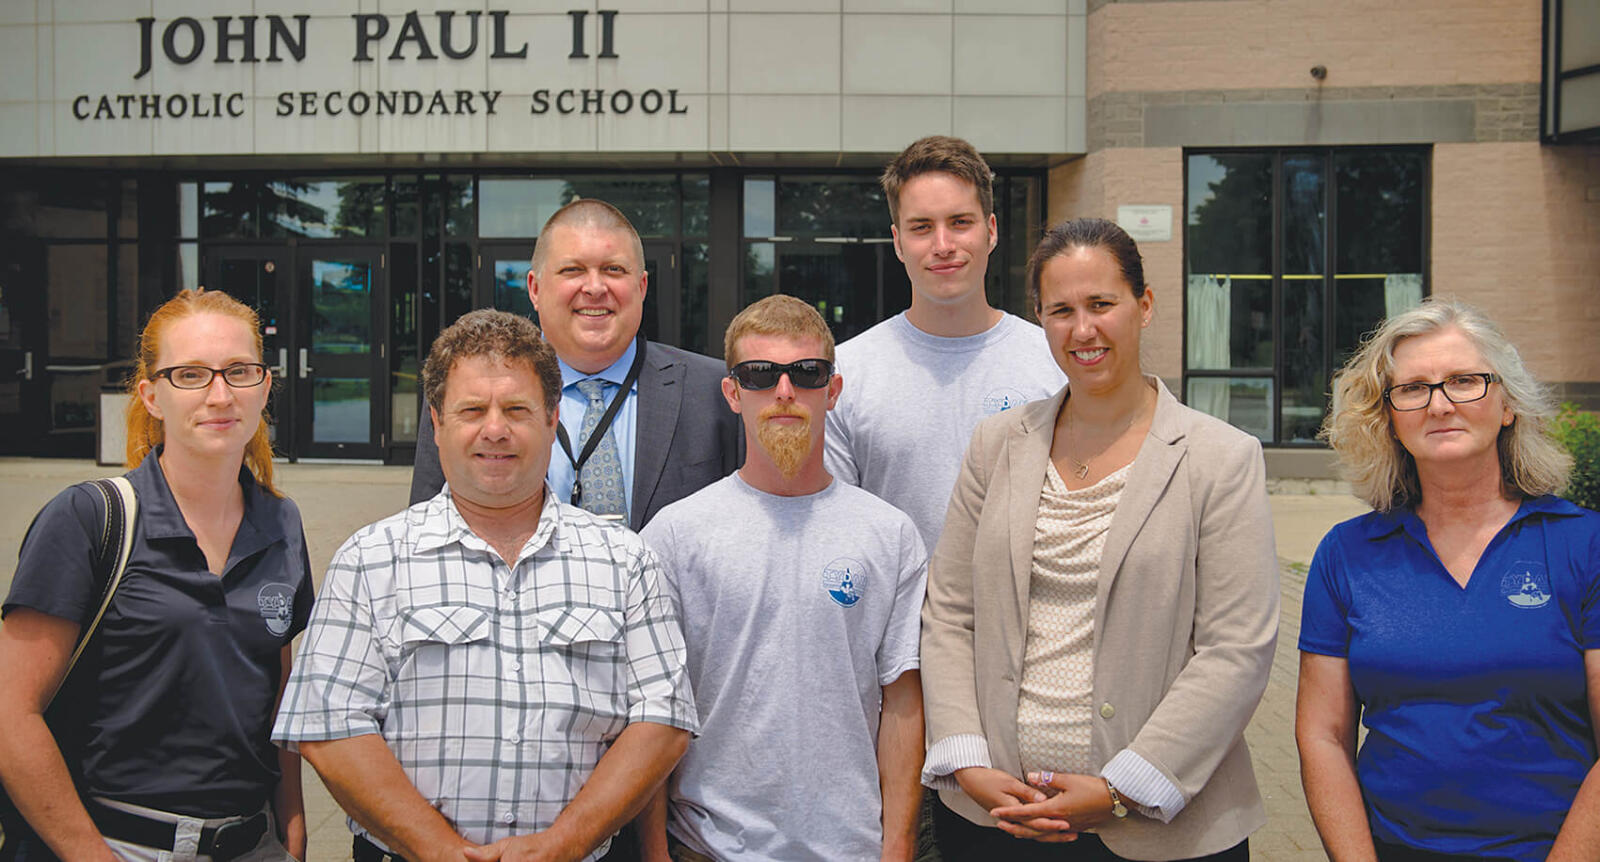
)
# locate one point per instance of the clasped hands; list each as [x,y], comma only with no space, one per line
[1054,811]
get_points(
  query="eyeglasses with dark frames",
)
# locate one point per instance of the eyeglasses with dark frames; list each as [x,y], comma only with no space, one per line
[757,375]
[1458,388]
[240,375]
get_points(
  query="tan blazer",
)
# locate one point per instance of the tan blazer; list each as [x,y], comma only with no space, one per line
[1186,616]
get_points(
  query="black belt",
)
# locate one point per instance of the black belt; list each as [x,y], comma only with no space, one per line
[222,843]
[362,850]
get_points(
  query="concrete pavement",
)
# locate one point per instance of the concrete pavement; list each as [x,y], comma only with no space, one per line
[335,500]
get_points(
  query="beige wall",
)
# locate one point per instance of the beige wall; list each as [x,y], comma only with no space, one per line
[1244,44]
[1096,185]
[1516,231]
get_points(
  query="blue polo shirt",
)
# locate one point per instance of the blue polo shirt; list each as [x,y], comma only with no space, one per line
[1474,698]
[186,664]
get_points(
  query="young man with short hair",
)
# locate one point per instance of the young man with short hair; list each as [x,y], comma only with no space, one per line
[922,380]
[801,599]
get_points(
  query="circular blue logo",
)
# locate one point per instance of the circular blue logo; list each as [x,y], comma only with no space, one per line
[1526,585]
[844,579]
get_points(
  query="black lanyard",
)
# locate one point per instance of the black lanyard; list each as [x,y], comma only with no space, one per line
[603,426]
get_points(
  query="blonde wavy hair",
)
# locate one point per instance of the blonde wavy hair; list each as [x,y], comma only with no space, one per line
[1359,429]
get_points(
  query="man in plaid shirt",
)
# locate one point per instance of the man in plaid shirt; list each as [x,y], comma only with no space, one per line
[491,673]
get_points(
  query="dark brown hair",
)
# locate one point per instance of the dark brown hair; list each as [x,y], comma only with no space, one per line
[1086,233]
[938,153]
[510,338]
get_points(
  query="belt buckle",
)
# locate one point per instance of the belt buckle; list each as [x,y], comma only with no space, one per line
[232,840]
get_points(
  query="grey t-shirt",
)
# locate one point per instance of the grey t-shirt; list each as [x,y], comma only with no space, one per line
[912,400]
[796,611]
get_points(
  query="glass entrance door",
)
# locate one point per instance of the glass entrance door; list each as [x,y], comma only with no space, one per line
[260,278]
[341,398]
[321,331]
[24,392]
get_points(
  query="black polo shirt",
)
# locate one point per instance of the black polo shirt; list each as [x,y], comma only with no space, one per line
[177,714]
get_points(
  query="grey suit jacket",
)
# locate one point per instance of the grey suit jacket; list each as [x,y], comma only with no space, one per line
[685,435]
[1186,616]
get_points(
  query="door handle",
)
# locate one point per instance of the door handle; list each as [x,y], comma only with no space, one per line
[26,371]
[305,363]
[281,370]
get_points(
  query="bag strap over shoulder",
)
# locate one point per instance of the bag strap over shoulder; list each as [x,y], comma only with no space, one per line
[120,513]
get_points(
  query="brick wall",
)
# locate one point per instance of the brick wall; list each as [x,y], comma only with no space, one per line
[1516,231]
[1251,44]
[1100,182]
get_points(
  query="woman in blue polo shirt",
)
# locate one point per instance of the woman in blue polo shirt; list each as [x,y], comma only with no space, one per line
[1460,620]
[173,705]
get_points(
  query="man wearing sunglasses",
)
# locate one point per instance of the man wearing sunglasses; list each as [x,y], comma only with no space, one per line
[800,599]
[641,422]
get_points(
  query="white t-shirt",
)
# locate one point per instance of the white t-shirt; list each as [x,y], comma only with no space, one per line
[912,400]
[795,611]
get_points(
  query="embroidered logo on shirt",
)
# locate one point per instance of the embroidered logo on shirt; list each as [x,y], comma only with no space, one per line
[844,579]
[276,603]
[1001,400]
[1526,586]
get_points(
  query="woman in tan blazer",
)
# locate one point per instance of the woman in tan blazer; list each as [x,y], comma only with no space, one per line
[1103,602]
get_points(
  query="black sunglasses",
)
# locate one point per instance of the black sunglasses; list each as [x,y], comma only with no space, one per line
[759,374]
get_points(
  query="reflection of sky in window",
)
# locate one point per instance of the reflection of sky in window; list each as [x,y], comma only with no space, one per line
[517,207]
[322,197]
[1203,171]
[339,275]
[760,207]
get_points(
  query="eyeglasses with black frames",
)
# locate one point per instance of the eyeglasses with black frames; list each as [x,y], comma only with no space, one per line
[240,375]
[1459,388]
[759,374]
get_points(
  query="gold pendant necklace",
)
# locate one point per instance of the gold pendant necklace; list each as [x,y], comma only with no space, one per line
[1079,468]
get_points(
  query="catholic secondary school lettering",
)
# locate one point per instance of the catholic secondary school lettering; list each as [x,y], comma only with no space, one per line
[381,103]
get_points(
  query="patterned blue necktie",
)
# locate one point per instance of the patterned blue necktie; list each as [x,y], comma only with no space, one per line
[601,476]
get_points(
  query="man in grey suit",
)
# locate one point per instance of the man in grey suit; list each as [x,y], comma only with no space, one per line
[643,424]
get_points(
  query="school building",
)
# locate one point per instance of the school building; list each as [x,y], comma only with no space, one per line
[364,171]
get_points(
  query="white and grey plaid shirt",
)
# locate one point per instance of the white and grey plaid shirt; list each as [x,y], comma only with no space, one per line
[498,688]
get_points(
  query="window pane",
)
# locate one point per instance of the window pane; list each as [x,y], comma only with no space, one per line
[1244,402]
[519,207]
[833,278]
[128,214]
[1305,377]
[76,290]
[696,205]
[188,266]
[759,279]
[693,312]
[460,210]
[650,202]
[407,210]
[323,209]
[127,297]
[63,206]
[824,206]
[1017,206]
[760,207]
[1230,214]
[1361,307]
[457,281]
[188,210]
[229,210]
[511,285]
[1304,214]
[1380,211]
[404,366]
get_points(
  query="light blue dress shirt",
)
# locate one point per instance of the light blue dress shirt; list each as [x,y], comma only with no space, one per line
[574,405]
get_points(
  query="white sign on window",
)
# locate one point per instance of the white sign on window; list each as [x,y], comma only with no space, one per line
[1146,223]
